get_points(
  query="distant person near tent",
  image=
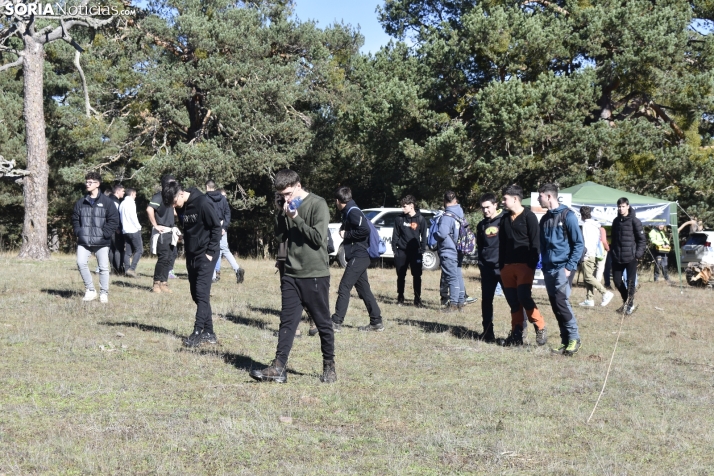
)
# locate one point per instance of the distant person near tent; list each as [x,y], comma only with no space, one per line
[628,247]
[659,240]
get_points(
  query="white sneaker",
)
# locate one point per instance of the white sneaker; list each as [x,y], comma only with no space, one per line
[630,309]
[104,298]
[588,303]
[90,295]
[606,298]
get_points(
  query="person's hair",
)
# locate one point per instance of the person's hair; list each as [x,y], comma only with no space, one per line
[285,178]
[408,200]
[549,188]
[210,184]
[343,194]
[117,187]
[93,176]
[622,200]
[449,196]
[487,197]
[585,213]
[128,191]
[166,178]
[513,190]
[169,191]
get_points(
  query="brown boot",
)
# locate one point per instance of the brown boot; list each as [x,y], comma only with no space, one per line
[165,287]
[157,288]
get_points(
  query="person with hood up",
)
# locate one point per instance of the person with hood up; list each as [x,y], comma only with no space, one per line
[451,259]
[487,243]
[628,247]
[561,247]
[409,244]
[223,210]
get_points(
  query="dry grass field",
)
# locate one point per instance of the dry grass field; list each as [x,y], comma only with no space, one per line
[87,388]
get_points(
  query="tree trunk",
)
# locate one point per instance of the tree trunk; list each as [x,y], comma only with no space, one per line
[34,230]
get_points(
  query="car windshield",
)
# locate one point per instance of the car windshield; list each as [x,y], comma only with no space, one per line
[371,214]
[697,239]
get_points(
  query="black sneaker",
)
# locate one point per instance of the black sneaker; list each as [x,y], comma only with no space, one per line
[240,274]
[400,300]
[194,340]
[276,372]
[488,335]
[313,331]
[621,309]
[372,328]
[630,309]
[336,327]
[329,375]
[418,302]
[451,307]
[515,338]
[209,338]
[541,335]
[444,301]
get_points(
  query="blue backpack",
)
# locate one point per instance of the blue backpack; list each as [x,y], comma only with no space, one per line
[376,247]
[433,228]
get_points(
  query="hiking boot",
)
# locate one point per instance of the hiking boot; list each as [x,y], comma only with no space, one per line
[558,350]
[130,273]
[104,298]
[372,328]
[587,303]
[313,331]
[606,298]
[276,372]
[328,372]
[444,300]
[90,295]
[451,307]
[194,340]
[487,335]
[541,335]
[400,300]
[572,348]
[630,309]
[336,327]
[240,275]
[172,275]
[157,287]
[515,338]
[208,338]
[418,302]
[218,277]
[165,287]
[621,308]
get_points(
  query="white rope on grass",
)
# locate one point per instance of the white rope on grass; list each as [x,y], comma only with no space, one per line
[622,321]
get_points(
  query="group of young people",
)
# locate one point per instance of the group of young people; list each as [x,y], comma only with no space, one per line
[511,243]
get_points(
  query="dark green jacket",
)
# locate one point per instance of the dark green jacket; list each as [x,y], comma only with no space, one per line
[307,238]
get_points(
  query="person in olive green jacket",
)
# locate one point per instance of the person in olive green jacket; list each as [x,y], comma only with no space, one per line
[302,220]
[661,243]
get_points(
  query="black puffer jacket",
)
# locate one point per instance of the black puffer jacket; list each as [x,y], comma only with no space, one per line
[95,223]
[628,238]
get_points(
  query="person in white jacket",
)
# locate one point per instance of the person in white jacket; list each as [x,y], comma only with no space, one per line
[591,237]
[132,232]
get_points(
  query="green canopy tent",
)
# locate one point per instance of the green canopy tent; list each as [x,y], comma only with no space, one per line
[603,200]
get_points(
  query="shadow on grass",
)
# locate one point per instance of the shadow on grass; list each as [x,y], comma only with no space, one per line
[408,302]
[63,293]
[142,327]
[460,332]
[239,361]
[246,321]
[265,310]
[127,284]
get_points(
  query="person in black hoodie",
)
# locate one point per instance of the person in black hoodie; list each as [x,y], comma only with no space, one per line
[355,232]
[116,249]
[487,242]
[95,218]
[223,210]
[409,244]
[202,241]
[628,247]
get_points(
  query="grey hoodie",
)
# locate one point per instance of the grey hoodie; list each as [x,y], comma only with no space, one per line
[448,232]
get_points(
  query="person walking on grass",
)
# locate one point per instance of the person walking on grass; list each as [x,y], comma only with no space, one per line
[487,241]
[223,210]
[132,233]
[628,247]
[355,233]
[518,256]
[592,238]
[409,245]
[451,259]
[561,245]
[116,249]
[661,244]
[162,221]
[302,223]
[202,242]
[95,220]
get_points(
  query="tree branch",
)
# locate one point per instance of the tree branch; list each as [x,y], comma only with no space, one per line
[665,117]
[87,107]
[7,169]
[61,31]
[15,63]
[547,4]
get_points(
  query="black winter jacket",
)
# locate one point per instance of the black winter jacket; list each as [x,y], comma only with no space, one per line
[220,204]
[487,240]
[409,233]
[94,224]
[201,226]
[628,238]
[356,239]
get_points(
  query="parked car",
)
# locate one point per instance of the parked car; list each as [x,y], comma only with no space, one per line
[696,247]
[383,219]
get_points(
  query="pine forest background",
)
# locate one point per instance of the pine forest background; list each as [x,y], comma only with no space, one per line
[470,95]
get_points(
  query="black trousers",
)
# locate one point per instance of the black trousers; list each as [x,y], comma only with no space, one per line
[116,252]
[312,294]
[661,263]
[410,259]
[490,278]
[200,273]
[626,292]
[165,254]
[174,255]
[355,276]
[133,249]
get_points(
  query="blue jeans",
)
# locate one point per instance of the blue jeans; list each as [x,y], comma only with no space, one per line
[225,253]
[451,270]
[558,287]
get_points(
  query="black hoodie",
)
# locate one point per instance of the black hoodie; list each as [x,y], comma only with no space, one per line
[628,238]
[201,226]
[409,233]
[223,210]
[487,240]
[356,240]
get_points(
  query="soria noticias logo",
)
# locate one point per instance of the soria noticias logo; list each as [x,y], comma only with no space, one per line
[55,9]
